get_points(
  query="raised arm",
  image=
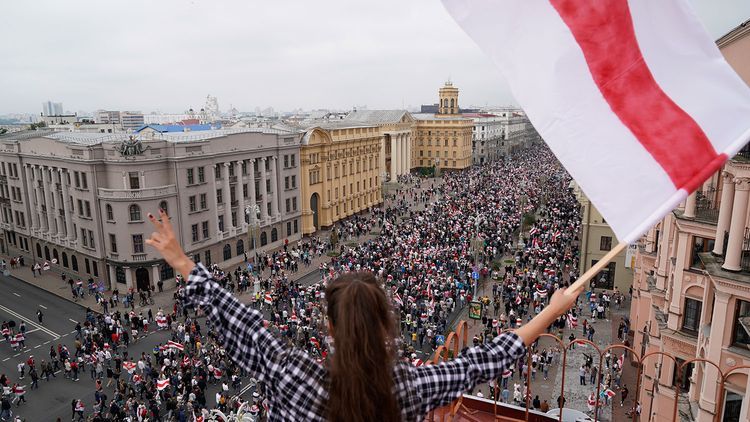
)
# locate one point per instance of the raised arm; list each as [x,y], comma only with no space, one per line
[245,339]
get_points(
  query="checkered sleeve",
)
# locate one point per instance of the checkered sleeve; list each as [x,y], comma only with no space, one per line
[440,384]
[244,338]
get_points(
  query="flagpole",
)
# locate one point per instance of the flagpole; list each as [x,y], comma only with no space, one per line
[588,275]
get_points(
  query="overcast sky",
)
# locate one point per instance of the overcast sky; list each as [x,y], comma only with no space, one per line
[168,55]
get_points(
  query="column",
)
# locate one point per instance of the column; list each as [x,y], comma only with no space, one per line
[274,187]
[39,193]
[251,183]
[212,185]
[405,141]
[128,279]
[737,226]
[381,159]
[112,275]
[155,275]
[263,192]
[674,306]
[60,218]
[31,198]
[394,158]
[690,206]
[47,187]
[707,405]
[409,151]
[68,208]
[725,212]
[227,199]
[240,196]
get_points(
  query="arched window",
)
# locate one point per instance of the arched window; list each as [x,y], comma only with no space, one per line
[65,260]
[110,214]
[74,262]
[274,235]
[263,239]
[240,247]
[38,250]
[135,213]
[452,102]
[55,256]
[227,252]
[120,275]
[46,253]
[163,205]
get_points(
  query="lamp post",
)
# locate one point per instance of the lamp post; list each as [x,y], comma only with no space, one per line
[253,211]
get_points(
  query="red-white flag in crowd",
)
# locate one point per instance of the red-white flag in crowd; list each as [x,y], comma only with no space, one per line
[632,96]
[162,384]
[175,345]
[128,365]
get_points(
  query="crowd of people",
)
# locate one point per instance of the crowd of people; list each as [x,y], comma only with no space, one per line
[430,244]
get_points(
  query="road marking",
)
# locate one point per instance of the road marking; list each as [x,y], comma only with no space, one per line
[73,332]
[6,359]
[29,332]
[42,306]
[72,320]
[47,342]
[16,294]
[37,346]
[16,355]
[30,322]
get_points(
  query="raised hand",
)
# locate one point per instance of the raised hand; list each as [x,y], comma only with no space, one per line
[164,240]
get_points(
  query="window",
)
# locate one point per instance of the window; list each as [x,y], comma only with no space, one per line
[741,329]
[166,272]
[163,205]
[274,235]
[203,201]
[221,223]
[135,213]
[110,214]
[286,161]
[682,377]
[194,232]
[135,181]
[190,177]
[286,182]
[700,245]
[732,407]
[294,182]
[295,226]
[606,277]
[197,257]
[691,317]
[112,243]
[204,229]
[80,207]
[288,228]
[268,186]
[263,239]
[227,252]
[208,257]
[268,209]
[191,202]
[605,243]
[84,181]
[288,204]
[201,175]
[77,178]
[219,197]
[88,208]
[240,247]
[292,158]
[84,238]
[234,218]
[137,243]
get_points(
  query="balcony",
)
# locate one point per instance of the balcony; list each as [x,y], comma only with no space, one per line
[706,205]
[130,194]
[139,257]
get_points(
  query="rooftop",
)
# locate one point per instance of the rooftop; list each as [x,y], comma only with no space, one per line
[375,116]
[430,116]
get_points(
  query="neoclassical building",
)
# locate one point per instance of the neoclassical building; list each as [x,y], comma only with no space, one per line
[341,172]
[80,200]
[443,140]
[396,143]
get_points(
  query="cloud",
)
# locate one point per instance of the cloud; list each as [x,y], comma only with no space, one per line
[168,54]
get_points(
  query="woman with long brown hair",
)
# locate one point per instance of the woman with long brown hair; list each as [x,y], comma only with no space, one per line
[363,379]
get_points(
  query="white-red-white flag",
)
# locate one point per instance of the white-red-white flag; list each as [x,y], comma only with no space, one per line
[162,384]
[632,96]
[174,345]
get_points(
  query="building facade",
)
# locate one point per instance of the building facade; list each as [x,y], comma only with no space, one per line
[127,120]
[597,238]
[443,140]
[341,172]
[80,200]
[396,139]
[691,291]
[487,135]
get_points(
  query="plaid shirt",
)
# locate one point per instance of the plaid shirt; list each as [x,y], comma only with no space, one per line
[297,384]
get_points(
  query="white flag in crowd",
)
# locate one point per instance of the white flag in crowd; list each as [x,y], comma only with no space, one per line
[633,97]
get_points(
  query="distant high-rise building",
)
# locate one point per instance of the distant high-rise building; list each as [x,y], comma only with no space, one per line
[52,109]
[129,120]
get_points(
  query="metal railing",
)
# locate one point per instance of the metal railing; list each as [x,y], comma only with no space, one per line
[745,256]
[706,205]
[458,340]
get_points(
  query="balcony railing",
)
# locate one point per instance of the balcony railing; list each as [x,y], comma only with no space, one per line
[744,154]
[148,193]
[138,257]
[706,205]
[745,257]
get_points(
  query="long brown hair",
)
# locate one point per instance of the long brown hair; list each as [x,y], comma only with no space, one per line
[361,366]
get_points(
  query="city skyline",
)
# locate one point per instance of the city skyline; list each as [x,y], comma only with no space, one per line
[169,58]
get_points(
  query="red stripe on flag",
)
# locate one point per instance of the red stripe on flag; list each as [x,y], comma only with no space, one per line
[604,31]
